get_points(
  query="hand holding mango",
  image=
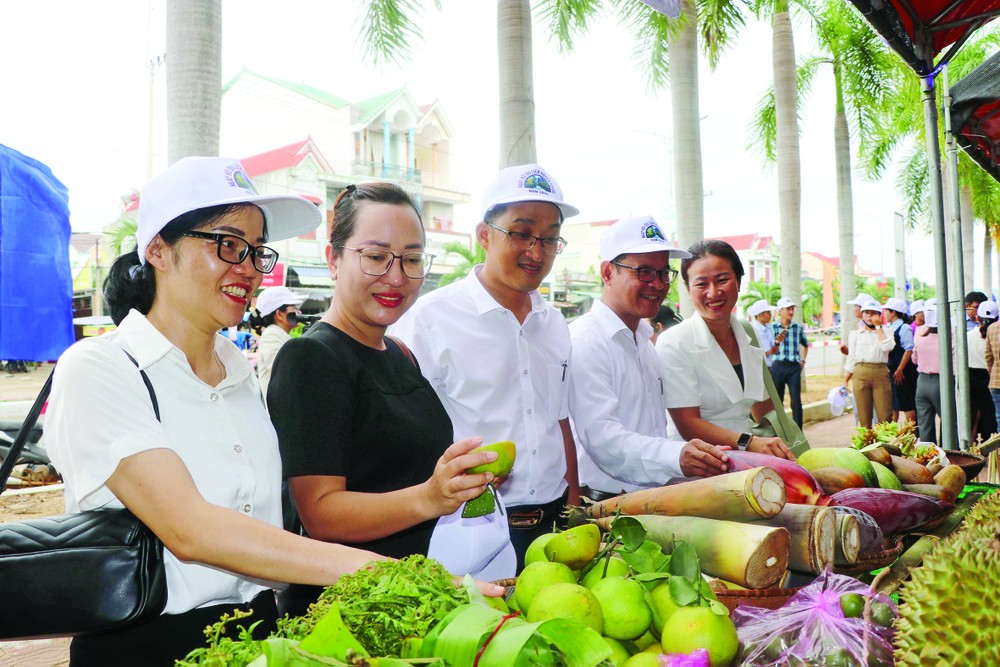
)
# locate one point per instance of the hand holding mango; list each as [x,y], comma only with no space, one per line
[497,468]
[452,484]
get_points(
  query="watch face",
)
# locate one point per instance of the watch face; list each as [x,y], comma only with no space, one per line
[744,439]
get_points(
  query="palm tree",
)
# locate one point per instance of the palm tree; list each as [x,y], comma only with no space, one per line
[388,28]
[812,301]
[470,257]
[757,290]
[194,77]
[862,66]
[121,239]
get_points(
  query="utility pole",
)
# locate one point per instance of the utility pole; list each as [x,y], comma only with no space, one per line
[900,257]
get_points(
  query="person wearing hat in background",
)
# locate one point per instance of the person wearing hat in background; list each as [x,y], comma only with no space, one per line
[366,445]
[277,314]
[790,359]
[992,354]
[713,375]
[498,354]
[867,363]
[857,302]
[972,301]
[664,318]
[760,318]
[916,315]
[200,467]
[983,415]
[925,356]
[902,371]
[617,396]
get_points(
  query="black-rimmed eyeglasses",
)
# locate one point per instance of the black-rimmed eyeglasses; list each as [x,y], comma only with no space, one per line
[648,275]
[551,245]
[233,250]
[377,262]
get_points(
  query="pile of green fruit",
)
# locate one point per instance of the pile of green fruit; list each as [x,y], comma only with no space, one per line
[642,601]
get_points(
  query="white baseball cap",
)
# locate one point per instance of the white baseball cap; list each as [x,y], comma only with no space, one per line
[988,310]
[930,315]
[759,306]
[896,304]
[784,302]
[860,299]
[917,307]
[871,305]
[636,236]
[274,298]
[527,182]
[193,183]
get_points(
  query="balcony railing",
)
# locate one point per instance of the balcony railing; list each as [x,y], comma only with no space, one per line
[382,170]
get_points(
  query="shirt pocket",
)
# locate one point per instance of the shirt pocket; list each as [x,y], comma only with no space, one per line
[558,396]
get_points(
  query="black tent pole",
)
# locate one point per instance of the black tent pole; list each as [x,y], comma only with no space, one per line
[946,377]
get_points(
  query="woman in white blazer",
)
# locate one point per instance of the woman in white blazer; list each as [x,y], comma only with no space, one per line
[713,375]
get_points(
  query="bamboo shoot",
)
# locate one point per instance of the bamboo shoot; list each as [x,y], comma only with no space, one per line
[812,531]
[848,544]
[738,496]
[743,553]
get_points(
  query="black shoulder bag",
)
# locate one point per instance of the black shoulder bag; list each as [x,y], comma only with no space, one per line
[75,574]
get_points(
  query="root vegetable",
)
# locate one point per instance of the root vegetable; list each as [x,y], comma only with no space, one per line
[911,472]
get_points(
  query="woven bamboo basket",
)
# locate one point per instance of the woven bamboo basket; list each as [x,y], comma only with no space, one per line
[768,598]
[874,560]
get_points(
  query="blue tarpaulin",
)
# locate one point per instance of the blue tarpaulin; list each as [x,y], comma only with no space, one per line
[36,285]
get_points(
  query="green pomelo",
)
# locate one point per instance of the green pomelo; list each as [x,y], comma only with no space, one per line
[616,568]
[626,614]
[662,605]
[644,640]
[653,648]
[571,601]
[506,452]
[643,660]
[689,628]
[575,547]
[537,576]
[536,550]
[886,478]
[619,654]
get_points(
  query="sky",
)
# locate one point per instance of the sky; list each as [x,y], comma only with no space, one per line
[76,92]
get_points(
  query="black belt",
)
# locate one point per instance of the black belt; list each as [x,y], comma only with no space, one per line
[598,496]
[528,516]
[786,361]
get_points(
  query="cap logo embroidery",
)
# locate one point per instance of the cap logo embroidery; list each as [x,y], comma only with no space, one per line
[239,179]
[536,181]
[652,232]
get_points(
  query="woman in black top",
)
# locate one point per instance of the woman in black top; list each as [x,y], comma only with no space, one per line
[365,443]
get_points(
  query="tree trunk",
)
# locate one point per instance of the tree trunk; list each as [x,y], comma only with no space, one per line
[194,77]
[517,96]
[988,261]
[688,188]
[789,176]
[968,245]
[845,212]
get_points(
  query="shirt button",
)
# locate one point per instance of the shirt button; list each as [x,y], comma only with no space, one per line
[214,396]
[529,411]
[246,508]
[520,333]
[534,451]
[532,492]
[238,448]
[524,372]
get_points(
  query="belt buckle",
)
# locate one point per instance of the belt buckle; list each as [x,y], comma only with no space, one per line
[525,520]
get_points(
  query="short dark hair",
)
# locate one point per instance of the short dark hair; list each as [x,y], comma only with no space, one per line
[716,248]
[666,316]
[974,297]
[345,209]
[132,284]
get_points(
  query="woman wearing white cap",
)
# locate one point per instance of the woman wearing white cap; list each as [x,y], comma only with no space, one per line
[983,415]
[200,464]
[916,315]
[902,370]
[366,444]
[867,358]
[714,375]
[277,314]
[925,356]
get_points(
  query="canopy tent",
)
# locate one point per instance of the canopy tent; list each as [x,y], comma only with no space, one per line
[975,114]
[36,287]
[920,31]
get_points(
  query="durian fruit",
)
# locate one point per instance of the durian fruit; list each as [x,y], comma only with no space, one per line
[987,510]
[948,614]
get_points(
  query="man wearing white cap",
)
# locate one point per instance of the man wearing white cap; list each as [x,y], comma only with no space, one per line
[617,395]
[498,354]
[867,365]
[277,315]
[790,359]
[760,318]
[857,302]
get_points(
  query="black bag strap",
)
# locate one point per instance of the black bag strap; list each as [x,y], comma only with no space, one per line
[36,409]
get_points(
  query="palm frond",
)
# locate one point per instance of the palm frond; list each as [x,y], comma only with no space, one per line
[388,29]
[652,31]
[763,130]
[121,239]
[719,22]
[568,19]
[911,184]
